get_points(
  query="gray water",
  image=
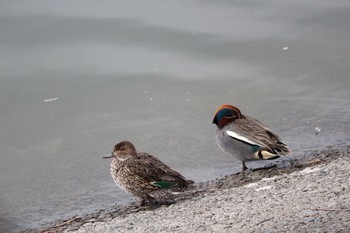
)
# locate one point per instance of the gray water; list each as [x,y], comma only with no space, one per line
[76,77]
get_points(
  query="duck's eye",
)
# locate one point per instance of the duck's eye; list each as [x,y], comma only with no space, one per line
[227,113]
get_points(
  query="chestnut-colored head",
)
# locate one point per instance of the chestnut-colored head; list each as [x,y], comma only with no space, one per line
[226,114]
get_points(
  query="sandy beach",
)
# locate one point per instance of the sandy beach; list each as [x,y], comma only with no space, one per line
[309,196]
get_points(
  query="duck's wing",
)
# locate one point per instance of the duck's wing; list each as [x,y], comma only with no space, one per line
[253,132]
[153,171]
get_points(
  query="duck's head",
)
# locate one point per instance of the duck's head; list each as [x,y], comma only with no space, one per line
[226,114]
[122,151]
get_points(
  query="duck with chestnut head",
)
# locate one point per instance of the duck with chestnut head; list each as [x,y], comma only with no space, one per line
[144,175]
[246,138]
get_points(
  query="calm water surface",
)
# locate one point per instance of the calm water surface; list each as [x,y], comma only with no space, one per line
[78,77]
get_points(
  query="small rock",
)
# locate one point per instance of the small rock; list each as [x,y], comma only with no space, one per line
[317,130]
[310,219]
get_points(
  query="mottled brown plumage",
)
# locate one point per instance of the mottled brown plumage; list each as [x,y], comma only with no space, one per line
[144,175]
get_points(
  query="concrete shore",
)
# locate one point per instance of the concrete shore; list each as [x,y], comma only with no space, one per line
[313,199]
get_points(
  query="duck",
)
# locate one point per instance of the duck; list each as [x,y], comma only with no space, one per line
[244,137]
[144,175]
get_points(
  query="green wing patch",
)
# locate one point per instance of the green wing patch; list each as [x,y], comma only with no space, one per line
[162,184]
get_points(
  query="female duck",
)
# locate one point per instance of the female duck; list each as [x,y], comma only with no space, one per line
[144,175]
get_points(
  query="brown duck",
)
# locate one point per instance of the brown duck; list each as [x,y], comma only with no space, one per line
[143,175]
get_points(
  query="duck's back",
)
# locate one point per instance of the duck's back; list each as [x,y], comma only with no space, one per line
[160,172]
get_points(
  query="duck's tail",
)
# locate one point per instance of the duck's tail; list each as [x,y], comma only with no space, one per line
[266,155]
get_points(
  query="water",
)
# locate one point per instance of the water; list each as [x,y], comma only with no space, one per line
[78,77]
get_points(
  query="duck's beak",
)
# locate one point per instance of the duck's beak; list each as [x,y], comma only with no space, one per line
[215,120]
[108,156]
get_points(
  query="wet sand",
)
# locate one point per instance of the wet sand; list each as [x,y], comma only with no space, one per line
[306,193]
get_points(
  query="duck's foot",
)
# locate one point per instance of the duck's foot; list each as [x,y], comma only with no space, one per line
[156,203]
[143,202]
[244,174]
[164,202]
[245,170]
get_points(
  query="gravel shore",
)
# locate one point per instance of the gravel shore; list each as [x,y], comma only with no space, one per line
[313,199]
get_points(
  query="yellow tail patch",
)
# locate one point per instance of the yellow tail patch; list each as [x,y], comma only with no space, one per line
[266,155]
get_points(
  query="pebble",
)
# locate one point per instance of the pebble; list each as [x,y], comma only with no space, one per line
[309,219]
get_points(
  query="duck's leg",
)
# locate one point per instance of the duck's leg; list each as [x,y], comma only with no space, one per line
[244,168]
[143,202]
[147,199]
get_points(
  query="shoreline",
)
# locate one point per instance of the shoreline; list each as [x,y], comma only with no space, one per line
[218,193]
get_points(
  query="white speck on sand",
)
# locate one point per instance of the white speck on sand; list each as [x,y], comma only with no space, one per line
[251,185]
[264,188]
[310,170]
